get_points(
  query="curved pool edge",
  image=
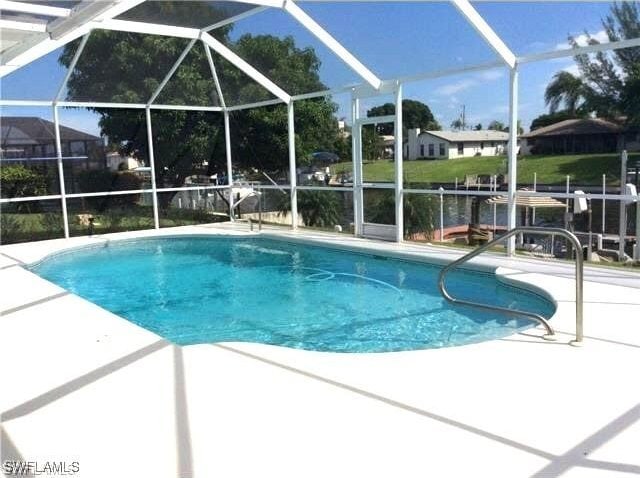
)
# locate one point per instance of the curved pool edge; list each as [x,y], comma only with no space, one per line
[532,282]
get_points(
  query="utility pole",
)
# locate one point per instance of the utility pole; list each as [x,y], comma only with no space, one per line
[464,119]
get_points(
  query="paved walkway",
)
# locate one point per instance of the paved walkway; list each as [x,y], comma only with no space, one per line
[81,384]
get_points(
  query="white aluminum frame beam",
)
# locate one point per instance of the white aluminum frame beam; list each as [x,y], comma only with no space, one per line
[581,50]
[89,11]
[214,74]
[172,71]
[235,18]
[228,155]
[152,165]
[193,33]
[245,67]
[23,26]
[63,198]
[356,159]
[72,66]
[22,7]
[293,179]
[512,158]
[485,31]
[336,47]
[399,174]
[147,28]
[62,31]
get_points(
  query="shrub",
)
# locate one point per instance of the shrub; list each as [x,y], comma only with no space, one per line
[103,181]
[418,213]
[20,181]
[317,208]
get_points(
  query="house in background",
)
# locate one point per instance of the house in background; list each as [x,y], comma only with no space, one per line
[31,138]
[580,136]
[30,141]
[454,144]
[117,162]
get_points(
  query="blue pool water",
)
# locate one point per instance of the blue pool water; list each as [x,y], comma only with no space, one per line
[194,290]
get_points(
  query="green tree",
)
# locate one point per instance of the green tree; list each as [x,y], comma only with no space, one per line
[552,118]
[568,90]
[608,82]
[520,128]
[343,147]
[372,144]
[127,68]
[496,125]
[457,124]
[478,127]
[415,114]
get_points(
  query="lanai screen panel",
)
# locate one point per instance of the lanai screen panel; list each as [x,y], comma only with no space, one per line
[279,47]
[192,14]
[27,83]
[533,27]
[377,34]
[122,67]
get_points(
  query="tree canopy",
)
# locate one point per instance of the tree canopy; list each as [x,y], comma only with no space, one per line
[552,118]
[128,68]
[608,83]
[415,114]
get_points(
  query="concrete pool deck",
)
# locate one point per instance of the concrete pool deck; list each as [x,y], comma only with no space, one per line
[78,383]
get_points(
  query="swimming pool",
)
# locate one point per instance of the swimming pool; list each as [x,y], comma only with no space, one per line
[195,289]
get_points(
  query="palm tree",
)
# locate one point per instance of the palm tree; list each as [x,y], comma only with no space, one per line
[457,124]
[566,89]
[317,208]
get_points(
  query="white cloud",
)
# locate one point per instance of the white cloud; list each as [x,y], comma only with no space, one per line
[573,69]
[491,75]
[583,39]
[464,84]
[500,110]
[456,87]
[536,45]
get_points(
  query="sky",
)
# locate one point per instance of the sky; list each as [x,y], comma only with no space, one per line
[394,40]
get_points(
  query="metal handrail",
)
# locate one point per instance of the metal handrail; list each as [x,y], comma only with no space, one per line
[528,230]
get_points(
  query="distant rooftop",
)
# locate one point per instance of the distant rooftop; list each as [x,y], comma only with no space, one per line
[576,127]
[24,130]
[463,136]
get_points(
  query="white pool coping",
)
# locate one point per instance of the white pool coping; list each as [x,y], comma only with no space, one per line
[78,383]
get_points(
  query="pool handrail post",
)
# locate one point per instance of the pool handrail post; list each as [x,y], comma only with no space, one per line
[509,234]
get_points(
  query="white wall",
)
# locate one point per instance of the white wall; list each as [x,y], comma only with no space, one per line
[473,148]
[417,146]
[416,141]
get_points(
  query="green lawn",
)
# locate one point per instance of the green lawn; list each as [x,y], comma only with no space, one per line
[583,169]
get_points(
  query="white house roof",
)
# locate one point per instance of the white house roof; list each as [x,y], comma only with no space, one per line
[465,136]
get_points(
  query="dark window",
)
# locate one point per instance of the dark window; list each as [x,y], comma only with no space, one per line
[441,149]
[431,153]
[493,144]
[422,150]
[481,145]
[460,148]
